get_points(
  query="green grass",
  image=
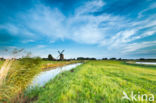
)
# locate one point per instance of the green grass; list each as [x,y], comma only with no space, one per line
[97,82]
[20,76]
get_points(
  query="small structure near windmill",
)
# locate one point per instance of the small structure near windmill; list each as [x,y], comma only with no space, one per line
[1,59]
[50,57]
[61,55]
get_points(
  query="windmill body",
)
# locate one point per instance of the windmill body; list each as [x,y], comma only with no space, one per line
[61,55]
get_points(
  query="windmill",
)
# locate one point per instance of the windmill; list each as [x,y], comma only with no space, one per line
[61,55]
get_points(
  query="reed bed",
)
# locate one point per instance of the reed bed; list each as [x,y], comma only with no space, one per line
[1,63]
[46,64]
[19,75]
[4,70]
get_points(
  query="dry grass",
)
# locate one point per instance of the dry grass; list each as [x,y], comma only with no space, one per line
[53,64]
[1,63]
[4,70]
[18,74]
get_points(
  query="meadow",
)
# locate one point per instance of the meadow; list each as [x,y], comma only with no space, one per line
[98,82]
[20,75]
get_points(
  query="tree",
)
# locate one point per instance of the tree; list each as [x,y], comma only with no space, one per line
[104,58]
[142,59]
[119,59]
[50,57]
[87,58]
[112,58]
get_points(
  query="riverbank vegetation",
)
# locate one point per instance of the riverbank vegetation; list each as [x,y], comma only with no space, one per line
[97,82]
[1,62]
[48,64]
[20,74]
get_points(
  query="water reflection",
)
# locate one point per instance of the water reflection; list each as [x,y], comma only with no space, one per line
[150,63]
[45,76]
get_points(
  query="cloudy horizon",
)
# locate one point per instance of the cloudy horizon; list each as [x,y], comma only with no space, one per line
[88,28]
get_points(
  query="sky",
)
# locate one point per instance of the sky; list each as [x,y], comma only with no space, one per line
[88,28]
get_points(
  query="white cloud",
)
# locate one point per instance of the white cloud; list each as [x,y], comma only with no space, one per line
[40,46]
[90,7]
[46,21]
[11,28]
[145,34]
[80,27]
[132,32]
[152,6]
[87,34]
[27,41]
[136,46]
[121,37]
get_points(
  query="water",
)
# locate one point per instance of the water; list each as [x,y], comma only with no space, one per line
[150,63]
[42,78]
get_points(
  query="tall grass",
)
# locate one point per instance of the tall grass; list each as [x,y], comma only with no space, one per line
[20,75]
[4,70]
[1,63]
[97,82]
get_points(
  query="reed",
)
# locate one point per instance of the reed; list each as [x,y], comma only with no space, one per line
[4,70]
[1,63]
[48,64]
[16,75]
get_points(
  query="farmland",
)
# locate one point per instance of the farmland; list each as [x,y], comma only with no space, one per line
[97,82]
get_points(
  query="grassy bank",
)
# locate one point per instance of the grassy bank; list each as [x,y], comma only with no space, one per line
[20,76]
[53,64]
[97,82]
[1,62]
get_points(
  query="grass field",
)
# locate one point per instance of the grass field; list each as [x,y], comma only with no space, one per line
[98,82]
[20,75]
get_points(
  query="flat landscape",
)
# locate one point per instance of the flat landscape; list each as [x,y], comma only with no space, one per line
[78,51]
[98,82]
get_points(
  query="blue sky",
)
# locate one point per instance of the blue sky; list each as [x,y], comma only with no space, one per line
[89,28]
